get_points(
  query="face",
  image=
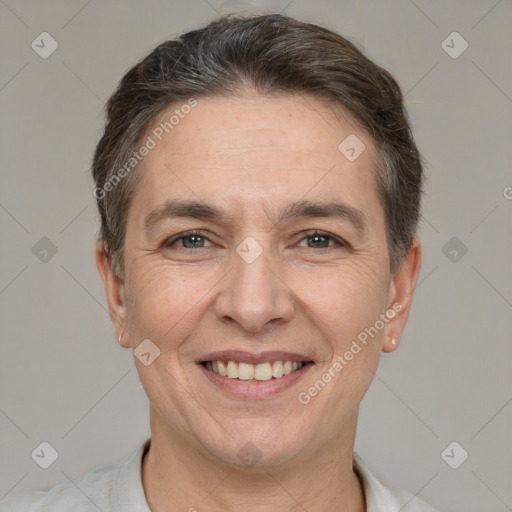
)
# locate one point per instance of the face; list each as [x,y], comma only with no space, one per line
[285,269]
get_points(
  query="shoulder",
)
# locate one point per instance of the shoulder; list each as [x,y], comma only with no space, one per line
[88,492]
[114,488]
[381,498]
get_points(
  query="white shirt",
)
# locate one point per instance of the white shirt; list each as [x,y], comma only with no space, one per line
[119,488]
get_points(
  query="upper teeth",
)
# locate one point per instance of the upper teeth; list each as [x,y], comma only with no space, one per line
[246,371]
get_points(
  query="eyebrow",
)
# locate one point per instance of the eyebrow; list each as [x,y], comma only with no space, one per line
[297,210]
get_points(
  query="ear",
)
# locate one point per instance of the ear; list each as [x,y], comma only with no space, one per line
[400,295]
[115,293]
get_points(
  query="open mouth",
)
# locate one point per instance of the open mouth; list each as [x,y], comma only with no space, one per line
[254,372]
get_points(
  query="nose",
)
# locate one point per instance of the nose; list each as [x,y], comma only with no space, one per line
[254,294]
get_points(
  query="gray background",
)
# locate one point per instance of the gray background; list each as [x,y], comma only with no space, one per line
[65,380]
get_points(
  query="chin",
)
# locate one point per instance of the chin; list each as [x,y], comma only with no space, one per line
[258,447]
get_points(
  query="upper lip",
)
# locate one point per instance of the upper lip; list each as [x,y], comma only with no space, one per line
[253,358]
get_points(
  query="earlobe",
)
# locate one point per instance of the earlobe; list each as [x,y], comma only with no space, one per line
[401,292]
[390,344]
[125,343]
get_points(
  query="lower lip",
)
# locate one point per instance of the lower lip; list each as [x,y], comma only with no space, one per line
[255,389]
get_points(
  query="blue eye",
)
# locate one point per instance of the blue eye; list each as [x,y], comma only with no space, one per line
[191,240]
[194,236]
[323,239]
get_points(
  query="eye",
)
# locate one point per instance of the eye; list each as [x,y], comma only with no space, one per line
[189,240]
[321,240]
[196,240]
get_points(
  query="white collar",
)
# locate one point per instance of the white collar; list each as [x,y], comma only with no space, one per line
[128,491]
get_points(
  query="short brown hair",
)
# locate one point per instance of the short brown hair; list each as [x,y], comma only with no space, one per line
[272,54]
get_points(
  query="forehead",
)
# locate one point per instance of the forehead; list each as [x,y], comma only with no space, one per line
[223,125]
[249,149]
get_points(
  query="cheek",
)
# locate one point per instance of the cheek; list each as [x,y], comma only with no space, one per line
[360,300]
[347,298]
[166,302]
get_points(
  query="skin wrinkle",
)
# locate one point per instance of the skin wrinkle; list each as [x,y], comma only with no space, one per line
[182,211]
[308,300]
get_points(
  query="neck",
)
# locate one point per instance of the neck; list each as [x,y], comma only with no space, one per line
[178,476]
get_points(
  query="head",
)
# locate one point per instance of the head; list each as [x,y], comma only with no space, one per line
[289,156]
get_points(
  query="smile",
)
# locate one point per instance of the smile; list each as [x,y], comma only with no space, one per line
[253,376]
[245,371]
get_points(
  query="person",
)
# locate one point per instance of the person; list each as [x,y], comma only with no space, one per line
[259,189]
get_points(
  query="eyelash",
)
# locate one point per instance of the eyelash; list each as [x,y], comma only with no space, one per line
[187,234]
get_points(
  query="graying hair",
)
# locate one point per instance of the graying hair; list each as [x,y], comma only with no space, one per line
[273,55]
